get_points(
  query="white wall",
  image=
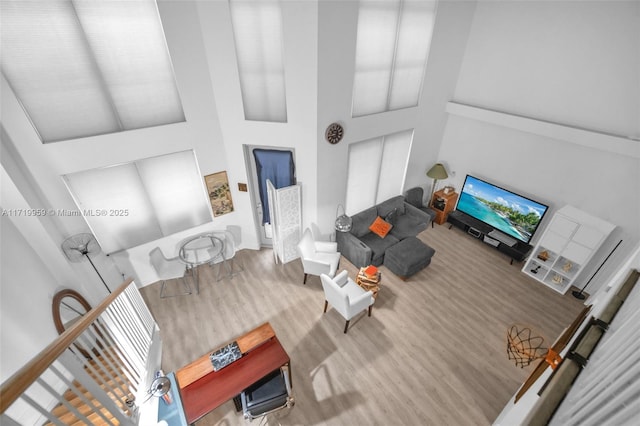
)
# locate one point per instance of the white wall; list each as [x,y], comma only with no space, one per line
[45,163]
[573,63]
[23,331]
[336,53]
[300,57]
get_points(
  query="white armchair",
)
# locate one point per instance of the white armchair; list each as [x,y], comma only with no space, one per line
[346,297]
[318,257]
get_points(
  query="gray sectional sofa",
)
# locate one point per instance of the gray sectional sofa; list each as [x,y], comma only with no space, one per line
[362,247]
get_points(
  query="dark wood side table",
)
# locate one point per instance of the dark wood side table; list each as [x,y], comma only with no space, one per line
[444,207]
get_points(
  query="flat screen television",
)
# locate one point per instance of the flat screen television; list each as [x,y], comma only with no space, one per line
[506,211]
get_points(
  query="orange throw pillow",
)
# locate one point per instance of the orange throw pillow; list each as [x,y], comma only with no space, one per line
[380,227]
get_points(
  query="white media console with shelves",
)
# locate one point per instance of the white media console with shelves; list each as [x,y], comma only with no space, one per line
[566,247]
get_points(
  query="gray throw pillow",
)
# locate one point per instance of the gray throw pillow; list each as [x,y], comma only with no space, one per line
[392,217]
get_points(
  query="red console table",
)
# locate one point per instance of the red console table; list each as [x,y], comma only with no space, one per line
[202,390]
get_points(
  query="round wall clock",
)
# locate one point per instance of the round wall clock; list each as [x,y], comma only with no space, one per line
[334,133]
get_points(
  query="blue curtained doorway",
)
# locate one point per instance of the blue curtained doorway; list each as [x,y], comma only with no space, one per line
[279,168]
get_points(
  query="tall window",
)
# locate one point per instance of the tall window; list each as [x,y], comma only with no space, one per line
[392,47]
[134,203]
[83,68]
[257,28]
[377,169]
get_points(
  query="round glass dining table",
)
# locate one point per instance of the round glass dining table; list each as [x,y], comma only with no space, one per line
[201,249]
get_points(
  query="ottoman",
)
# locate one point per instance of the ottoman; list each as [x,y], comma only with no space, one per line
[408,257]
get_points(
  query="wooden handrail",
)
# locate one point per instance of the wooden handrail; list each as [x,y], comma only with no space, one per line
[18,383]
[202,366]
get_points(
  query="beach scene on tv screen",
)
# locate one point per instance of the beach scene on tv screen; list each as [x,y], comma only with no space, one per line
[508,212]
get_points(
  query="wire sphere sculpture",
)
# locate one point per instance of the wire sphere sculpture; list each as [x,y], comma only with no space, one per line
[524,348]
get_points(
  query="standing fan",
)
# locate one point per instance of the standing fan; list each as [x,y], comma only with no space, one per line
[159,388]
[79,246]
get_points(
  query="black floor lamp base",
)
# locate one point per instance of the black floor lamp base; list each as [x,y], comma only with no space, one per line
[578,295]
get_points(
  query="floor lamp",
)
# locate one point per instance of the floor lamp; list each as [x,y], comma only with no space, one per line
[579,294]
[79,247]
[437,172]
[343,222]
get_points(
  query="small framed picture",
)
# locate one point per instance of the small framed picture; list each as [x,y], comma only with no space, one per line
[219,193]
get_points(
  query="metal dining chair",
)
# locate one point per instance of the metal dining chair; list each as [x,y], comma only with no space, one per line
[169,269]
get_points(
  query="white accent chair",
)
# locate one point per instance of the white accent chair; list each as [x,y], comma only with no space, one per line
[318,257]
[316,234]
[168,269]
[346,297]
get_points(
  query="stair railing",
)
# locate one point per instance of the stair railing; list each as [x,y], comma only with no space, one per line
[97,372]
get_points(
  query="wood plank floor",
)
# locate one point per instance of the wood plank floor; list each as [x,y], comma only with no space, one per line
[432,353]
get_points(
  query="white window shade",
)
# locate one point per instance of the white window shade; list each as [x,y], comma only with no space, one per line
[131,52]
[362,177]
[130,204]
[393,169]
[414,41]
[257,28]
[377,169]
[375,45]
[115,189]
[392,47]
[175,190]
[85,68]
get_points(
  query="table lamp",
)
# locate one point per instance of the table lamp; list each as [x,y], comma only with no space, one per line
[437,172]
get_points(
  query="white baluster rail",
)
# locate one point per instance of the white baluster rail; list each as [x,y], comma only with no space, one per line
[96,373]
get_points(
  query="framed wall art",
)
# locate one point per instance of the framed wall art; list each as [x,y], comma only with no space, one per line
[219,193]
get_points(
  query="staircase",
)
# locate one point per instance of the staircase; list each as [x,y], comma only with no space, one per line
[77,400]
[96,373]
